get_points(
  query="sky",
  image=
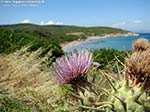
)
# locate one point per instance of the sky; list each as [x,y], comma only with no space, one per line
[133,15]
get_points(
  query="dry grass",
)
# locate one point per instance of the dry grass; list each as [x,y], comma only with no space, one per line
[76,33]
[23,75]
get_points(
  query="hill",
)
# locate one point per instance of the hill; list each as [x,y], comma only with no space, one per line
[60,33]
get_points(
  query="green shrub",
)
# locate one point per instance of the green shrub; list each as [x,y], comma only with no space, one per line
[11,40]
[107,57]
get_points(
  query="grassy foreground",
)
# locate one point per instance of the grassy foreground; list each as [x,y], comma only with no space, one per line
[27,85]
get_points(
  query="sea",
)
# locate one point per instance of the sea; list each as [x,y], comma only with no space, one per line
[119,43]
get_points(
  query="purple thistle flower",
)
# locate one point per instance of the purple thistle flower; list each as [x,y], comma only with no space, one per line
[71,67]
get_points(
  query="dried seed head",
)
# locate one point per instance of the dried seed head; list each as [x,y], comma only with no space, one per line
[140,45]
[138,65]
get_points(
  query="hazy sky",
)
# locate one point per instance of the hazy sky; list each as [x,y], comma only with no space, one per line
[132,15]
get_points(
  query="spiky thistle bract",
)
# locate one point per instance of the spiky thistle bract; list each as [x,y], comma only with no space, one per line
[128,93]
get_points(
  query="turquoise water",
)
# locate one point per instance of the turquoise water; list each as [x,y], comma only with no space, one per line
[119,43]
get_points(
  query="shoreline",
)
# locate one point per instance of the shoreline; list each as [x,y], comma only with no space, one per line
[80,41]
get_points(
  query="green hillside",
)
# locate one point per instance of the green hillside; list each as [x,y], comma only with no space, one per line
[60,33]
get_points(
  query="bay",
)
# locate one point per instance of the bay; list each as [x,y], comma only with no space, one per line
[119,43]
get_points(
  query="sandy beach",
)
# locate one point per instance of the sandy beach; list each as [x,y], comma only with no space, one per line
[80,41]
